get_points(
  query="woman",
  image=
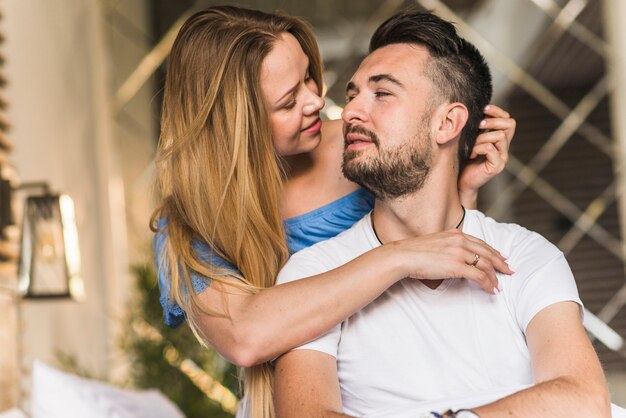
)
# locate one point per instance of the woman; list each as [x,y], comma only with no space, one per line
[241,150]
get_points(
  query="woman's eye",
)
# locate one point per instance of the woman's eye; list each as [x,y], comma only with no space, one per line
[290,105]
[349,99]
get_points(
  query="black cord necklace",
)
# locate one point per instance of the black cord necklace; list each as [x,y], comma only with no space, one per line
[381,243]
[462,218]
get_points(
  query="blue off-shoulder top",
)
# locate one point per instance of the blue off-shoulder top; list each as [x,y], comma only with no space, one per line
[302,231]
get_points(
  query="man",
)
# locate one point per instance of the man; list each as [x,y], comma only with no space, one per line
[414,107]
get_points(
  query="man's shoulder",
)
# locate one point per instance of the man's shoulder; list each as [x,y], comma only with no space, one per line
[510,238]
[329,254]
[528,253]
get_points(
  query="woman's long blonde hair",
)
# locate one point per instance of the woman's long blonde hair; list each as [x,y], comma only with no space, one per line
[218,173]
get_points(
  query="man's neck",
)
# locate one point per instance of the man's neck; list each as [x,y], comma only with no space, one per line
[434,208]
[416,215]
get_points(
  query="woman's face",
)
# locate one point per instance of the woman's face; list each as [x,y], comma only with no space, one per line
[292,98]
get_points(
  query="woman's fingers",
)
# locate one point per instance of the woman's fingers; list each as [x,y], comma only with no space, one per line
[494,160]
[496,260]
[497,124]
[496,111]
[494,137]
[481,256]
[480,277]
[486,280]
[490,152]
[482,259]
[497,138]
[453,254]
[484,245]
[498,120]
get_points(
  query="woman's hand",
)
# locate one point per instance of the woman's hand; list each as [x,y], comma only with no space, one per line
[451,254]
[489,156]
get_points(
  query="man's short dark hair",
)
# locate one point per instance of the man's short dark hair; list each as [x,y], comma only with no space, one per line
[456,68]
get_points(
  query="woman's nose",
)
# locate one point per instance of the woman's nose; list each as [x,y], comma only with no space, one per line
[316,103]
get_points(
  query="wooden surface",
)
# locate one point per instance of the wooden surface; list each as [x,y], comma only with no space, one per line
[9,343]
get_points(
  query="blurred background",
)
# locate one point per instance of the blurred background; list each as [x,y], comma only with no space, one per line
[80,91]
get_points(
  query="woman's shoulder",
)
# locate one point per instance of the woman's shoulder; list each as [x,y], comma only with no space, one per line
[202,249]
[332,135]
[334,125]
[327,221]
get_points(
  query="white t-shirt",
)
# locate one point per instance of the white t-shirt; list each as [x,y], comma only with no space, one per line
[420,409]
[415,344]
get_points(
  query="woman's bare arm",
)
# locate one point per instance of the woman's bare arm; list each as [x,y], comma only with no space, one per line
[264,325]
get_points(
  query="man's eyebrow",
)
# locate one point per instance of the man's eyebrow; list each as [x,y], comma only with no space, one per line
[385,77]
[288,92]
[350,86]
[376,79]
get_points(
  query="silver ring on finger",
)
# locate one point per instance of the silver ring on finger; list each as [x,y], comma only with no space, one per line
[476,259]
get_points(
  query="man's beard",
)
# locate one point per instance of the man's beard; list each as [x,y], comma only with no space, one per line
[392,173]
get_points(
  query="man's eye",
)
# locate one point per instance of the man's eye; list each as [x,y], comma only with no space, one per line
[382,94]
[349,99]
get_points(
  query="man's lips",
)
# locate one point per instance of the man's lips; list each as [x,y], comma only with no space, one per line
[314,127]
[356,141]
[357,137]
[354,138]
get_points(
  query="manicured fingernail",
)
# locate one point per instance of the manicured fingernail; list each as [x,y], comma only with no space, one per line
[487,107]
[482,123]
[496,290]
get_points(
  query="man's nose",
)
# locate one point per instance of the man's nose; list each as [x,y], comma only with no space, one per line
[354,112]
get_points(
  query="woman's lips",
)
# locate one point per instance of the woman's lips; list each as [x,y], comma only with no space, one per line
[314,128]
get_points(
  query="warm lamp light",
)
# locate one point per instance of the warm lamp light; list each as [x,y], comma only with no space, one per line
[49,264]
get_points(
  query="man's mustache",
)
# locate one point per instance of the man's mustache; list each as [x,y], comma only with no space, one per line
[357,129]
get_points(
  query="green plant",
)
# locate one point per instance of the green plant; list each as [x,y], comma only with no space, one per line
[155,352]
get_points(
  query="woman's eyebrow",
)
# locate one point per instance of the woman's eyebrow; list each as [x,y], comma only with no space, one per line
[288,92]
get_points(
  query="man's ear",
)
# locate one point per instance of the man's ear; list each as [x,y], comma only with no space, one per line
[452,119]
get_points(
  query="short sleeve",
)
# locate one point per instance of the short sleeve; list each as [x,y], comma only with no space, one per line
[173,314]
[327,221]
[543,278]
[327,343]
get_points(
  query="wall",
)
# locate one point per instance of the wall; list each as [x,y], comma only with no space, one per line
[58,73]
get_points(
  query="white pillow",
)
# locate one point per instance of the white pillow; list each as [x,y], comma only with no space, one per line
[13,413]
[60,395]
